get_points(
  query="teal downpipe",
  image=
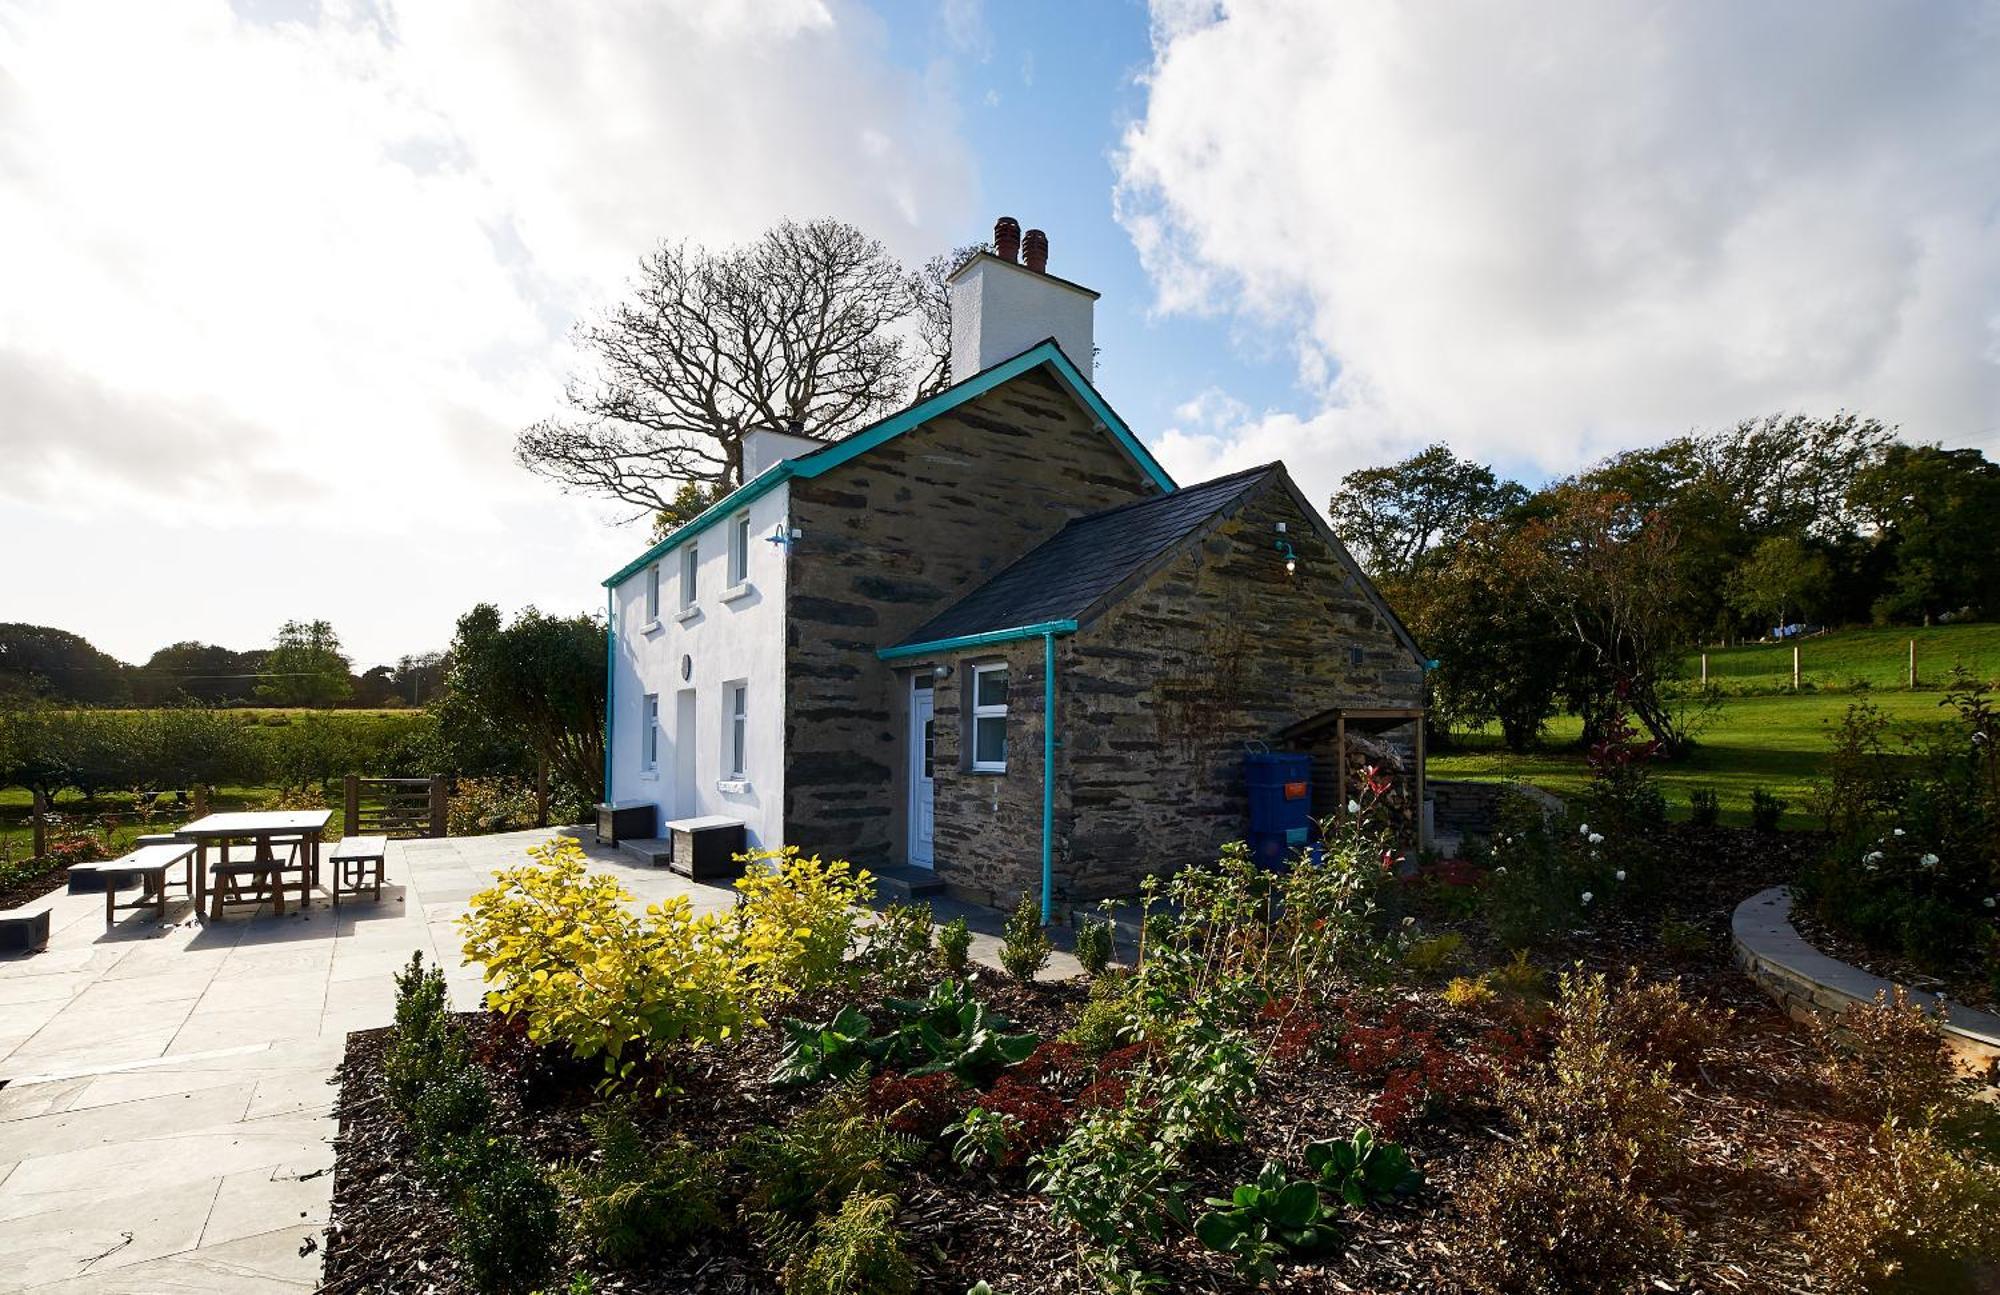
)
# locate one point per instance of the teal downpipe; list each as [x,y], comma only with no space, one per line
[610,679]
[1048,768]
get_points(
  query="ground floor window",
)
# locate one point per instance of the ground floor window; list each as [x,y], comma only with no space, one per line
[735,754]
[989,718]
[649,729]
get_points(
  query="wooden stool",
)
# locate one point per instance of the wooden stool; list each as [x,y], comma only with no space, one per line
[357,866]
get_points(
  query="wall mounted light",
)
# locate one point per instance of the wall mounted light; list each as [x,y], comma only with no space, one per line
[940,672]
[1291,558]
[781,536]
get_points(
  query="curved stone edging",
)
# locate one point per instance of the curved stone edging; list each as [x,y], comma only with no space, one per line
[1807,983]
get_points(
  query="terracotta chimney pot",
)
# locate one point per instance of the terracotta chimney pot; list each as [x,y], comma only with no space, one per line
[1035,251]
[1007,238]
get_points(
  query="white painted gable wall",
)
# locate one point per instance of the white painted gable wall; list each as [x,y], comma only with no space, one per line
[742,639]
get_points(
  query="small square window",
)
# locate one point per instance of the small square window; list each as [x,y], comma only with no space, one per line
[989,718]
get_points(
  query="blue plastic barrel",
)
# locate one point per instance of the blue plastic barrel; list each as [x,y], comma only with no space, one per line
[1280,787]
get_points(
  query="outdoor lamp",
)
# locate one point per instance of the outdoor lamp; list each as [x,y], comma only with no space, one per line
[1291,558]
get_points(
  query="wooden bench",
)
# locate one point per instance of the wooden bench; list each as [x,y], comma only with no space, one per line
[148,865]
[254,881]
[357,866]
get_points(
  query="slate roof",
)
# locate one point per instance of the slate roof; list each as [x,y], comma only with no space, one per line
[1072,570]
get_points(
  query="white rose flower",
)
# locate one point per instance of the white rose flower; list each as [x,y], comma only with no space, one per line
[1899,831]
[1621,874]
[1587,897]
[1597,838]
[1929,861]
[1354,807]
[1584,830]
[1872,857]
[1992,902]
[1501,871]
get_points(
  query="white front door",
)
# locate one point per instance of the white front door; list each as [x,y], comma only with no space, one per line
[923,748]
[686,804]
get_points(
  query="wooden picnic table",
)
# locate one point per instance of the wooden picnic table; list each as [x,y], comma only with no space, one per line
[261,827]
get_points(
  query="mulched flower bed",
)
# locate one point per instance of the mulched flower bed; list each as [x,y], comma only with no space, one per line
[1760,1141]
[26,887]
[1967,984]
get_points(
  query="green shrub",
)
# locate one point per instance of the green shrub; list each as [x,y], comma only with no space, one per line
[634,1201]
[1704,808]
[479,806]
[1092,945]
[797,916]
[1765,810]
[1104,1023]
[899,946]
[508,1221]
[1266,1220]
[854,1251]
[809,1166]
[424,1045]
[982,1138]
[1025,946]
[1362,1171]
[453,1107]
[1434,954]
[1911,1215]
[954,946]
[1888,1060]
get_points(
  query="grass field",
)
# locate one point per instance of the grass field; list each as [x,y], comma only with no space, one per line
[1778,743]
[1879,658]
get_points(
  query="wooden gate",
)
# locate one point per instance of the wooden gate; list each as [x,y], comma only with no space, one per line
[395,806]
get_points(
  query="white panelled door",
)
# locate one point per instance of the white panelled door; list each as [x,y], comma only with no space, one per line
[923,750]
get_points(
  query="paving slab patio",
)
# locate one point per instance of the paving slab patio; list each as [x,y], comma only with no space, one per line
[166,1105]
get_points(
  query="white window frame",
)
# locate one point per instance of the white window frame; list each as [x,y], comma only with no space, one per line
[653,592]
[989,711]
[649,734]
[739,549]
[690,574]
[736,733]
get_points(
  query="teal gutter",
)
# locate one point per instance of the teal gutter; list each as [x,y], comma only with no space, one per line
[839,452]
[963,641]
[1048,768]
[610,680]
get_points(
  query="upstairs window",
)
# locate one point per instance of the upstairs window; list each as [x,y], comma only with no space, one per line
[989,718]
[690,570]
[653,592]
[739,549]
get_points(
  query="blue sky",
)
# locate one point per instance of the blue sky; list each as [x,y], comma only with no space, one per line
[284,278]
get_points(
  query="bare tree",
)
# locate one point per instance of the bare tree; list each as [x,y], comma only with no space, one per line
[934,318]
[803,329]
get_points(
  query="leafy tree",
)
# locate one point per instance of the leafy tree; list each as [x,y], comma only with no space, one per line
[1397,516]
[305,667]
[1782,575]
[541,676]
[418,677]
[1937,510]
[802,328]
[38,660]
[204,672]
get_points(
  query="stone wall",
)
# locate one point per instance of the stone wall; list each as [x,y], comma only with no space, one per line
[989,825]
[1467,809]
[890,539]
[1217,648]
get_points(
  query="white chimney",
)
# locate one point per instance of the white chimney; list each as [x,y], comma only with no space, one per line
[1000,308]
[764,446]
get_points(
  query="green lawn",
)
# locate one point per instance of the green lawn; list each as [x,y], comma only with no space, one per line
[1778,743]
[1837,661]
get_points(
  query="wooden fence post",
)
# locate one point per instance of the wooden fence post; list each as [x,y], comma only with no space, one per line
[1913,664]
[1704,669]
[351,802]
[1795,667]
[437,807]
[542,792]
[41,828]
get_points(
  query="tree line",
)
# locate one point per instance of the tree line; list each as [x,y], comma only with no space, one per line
[513,697]
[1584,595]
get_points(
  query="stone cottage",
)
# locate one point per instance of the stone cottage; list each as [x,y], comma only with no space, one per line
[988,641]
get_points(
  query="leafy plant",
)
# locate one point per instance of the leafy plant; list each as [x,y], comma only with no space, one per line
[796,916]
[508,1224]
[1427,957]
[833,1050]
[1025,946]
[899,946]
[951,1030]
[1468,992]
[1092,945]
[1908,1214]
[854,1251]
[1112,1181]
[1362,1171]
[983,1136]
[1519,977]
[1103,1023]
[1265,1220]
[829,1150]
[634,1201]
[1765,810]
[424,1045]
[954,946]
[1704,809]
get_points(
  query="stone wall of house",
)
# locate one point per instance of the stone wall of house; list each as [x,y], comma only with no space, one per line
[889,540]
[988,826]
[1218,648]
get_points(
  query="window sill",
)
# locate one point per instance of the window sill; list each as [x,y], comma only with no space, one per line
[988,771]
[651,627]
[649,775]
[733,786]
[686,614]
[736,593]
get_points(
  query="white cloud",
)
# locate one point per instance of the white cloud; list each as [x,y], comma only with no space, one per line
[1547,233]
[316,267]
